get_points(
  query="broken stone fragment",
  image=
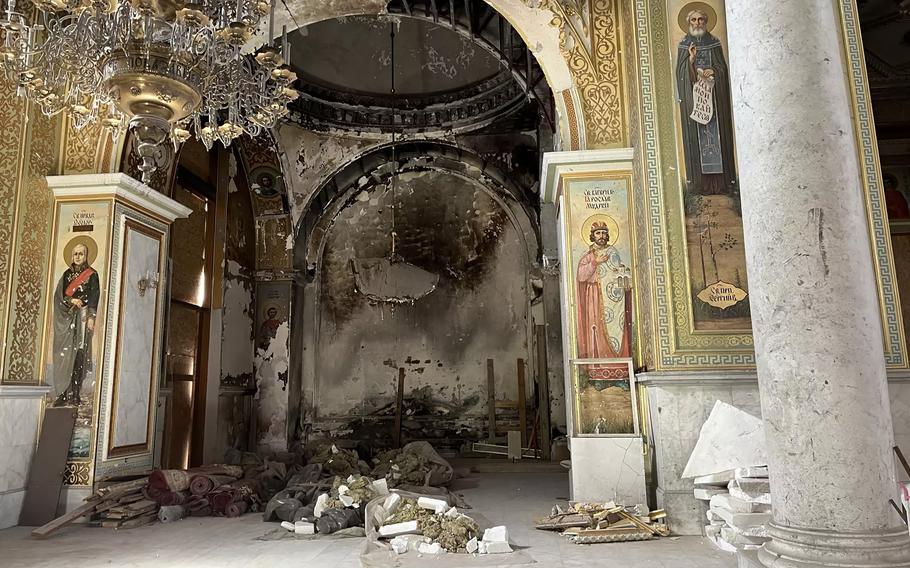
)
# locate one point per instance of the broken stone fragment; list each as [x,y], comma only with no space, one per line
[705,493]
[751,472]
[436,505]
[751,489]
[434,548]
[321,502]
[407,527]
[729,439]
[496,534]
[346,500]
[303,527]
[498,548]
[472,546]
[399,545]
[381,487]
[742,521]
[287,526]
[728,501]
[391,503]
[715,479]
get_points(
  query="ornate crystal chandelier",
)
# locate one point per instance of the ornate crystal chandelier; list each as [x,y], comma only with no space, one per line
[160,69]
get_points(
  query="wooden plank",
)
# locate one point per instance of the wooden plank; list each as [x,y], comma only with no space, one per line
[544,426]
[399,403]
[66,519]
[522,404]
[45,480]
[514,445]
[491,400]
[138,521]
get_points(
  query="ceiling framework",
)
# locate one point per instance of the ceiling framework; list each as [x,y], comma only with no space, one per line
[519,82]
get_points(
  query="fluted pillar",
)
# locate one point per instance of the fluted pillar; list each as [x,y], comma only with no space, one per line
[815,313]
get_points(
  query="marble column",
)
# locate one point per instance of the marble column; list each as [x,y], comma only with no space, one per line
[815,313]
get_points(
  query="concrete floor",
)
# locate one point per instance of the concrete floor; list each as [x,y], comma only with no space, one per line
[514,499]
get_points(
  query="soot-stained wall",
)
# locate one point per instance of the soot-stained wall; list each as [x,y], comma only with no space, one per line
[450,226]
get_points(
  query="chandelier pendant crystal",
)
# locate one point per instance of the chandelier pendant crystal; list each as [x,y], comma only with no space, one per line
[161,69]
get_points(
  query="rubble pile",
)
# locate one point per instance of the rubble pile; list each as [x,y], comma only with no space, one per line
[427,525]
[739,507]
[589,523]
[728,466]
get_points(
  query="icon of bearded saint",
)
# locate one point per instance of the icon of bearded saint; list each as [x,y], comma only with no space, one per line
[602,332]
[707,128]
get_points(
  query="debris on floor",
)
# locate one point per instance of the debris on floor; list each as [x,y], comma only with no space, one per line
[589,523]
[412,523]
[729,469]
[740,507]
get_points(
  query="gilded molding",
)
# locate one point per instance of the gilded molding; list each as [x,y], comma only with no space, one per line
[11,113]
[24,338]
[597,72]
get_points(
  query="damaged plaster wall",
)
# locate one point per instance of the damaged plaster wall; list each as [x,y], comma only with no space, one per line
[272,362]
[450,226]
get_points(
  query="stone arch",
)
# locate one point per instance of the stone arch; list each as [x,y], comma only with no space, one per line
[340,190]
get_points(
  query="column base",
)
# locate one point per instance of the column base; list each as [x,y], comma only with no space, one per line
[793,547]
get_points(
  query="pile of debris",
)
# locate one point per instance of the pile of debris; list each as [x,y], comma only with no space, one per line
[728,466]
[330,494]
[427,525]
[740,507]
[589,523]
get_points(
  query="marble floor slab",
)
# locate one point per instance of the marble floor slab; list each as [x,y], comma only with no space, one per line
[513,499]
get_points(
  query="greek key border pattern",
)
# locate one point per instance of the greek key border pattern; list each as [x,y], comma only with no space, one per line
[895,354]
[668,356]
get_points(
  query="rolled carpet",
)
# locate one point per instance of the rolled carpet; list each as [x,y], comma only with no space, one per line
[203,484]
[236,509]
[169,480]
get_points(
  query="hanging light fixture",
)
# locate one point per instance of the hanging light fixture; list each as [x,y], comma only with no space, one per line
[157,68]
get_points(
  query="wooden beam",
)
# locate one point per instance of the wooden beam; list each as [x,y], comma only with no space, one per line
[491,400]
[522,404]
[64,520]
[467,9]
[543,392]
[452,13]
[399,402]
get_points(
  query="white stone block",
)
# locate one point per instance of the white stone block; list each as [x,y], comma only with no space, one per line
[452,513]
[705,493]
[303,527]
[711,531]
[608,468]
[407,527]
[319,507]
[738,539]
[719,479]
[287,526]
[472,546]
[728,501]
[391,503]
[496,534]
[742,521]
[438,506]
[381,487]
[751,472]
[752,490]
[729,439]
[434,548]
[346,500]
[496,548]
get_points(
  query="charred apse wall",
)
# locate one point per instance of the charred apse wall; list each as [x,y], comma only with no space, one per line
[451,226]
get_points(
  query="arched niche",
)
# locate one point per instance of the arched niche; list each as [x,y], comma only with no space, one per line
[455,218]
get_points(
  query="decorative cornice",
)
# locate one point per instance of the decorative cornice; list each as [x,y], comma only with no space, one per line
[121,187]
[23,391]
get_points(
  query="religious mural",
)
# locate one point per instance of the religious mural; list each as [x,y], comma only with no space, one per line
[709,181]
[75,326]
[273,300]
[896,183]
[600,242]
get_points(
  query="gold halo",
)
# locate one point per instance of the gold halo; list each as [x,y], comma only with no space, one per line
[86,240]
[704,7]
[277,304]
[612,225]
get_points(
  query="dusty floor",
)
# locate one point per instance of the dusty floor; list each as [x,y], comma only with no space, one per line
[511,499]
